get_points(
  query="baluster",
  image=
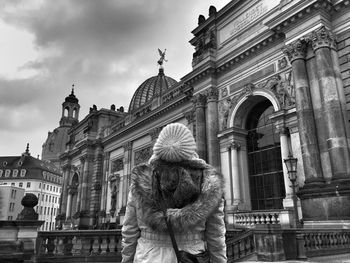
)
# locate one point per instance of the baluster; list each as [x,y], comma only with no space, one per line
[112,244]
[277,218]
[50,245]
[68,245]
[77,245]
[103,245]
[85,246]
[59,246]
[41,241]
[94,241]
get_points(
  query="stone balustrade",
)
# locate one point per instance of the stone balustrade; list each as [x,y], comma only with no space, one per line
[326,241]
[84,244]
[266,217]
[240,246]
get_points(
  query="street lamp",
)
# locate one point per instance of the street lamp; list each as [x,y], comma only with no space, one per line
[291,164]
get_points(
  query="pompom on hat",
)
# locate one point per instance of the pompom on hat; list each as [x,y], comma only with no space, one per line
[175,143]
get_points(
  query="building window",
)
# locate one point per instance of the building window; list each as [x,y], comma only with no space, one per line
[42,197]
[20,184]
[47,187]
[23,172]
[15,173]
[264,159]
[1,171]
[45,210]
[7,173]
[46,198]
[28,184]
[13,193]
[9,218]
[11,207]
[50,198]
[13,184]
[50,187]
[44,186]
[39,185]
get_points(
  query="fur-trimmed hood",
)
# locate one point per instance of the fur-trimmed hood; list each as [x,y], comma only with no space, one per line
[188,216]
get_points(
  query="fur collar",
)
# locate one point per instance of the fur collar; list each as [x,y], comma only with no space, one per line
[184,218]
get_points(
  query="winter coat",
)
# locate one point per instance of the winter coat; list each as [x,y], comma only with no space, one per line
[198,224]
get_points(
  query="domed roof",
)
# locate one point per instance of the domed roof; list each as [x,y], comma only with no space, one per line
[71,98]
[150,88]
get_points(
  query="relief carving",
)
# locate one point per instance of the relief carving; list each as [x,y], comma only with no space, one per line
[143,155]
[117,165]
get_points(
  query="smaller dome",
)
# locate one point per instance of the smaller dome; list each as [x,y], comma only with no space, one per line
[71,98]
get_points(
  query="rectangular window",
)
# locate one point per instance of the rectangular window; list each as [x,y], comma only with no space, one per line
[13,193]
[20,184]
[44,186]
[42,197]
[28,184]
[13,184]
[47,187]
[45,210]
[9,218]
[50,187]
[50,198]
[39,185]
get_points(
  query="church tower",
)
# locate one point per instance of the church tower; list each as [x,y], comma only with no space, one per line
[70,110]
[56,141]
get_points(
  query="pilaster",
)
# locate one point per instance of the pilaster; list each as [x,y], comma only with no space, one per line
[199,104]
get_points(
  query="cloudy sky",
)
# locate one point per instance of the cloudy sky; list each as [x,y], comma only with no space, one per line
[107,48]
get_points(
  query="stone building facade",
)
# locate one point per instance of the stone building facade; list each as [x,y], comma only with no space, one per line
[270,79]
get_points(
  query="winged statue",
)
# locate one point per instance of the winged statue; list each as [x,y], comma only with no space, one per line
[162,57]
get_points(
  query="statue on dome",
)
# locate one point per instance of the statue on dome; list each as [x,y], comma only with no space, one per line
[162,57]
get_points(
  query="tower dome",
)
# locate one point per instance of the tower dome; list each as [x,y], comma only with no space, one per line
[71,98]
[151,88]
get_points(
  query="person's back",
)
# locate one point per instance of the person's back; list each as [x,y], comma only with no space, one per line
[178,184]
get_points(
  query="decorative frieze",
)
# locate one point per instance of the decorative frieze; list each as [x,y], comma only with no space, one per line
[142,155]
[127,146]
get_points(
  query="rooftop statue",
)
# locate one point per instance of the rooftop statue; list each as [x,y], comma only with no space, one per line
[162,57]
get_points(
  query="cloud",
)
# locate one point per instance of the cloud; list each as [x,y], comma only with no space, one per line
[107,48]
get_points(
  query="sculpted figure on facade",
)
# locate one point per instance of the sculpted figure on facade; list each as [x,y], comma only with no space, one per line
[224,109]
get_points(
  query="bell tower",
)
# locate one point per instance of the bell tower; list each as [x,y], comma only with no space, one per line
[70,110]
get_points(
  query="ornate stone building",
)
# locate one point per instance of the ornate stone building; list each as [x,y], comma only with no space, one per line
[270,79]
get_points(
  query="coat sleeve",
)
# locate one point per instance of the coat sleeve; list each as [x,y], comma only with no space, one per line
[130,231]
[215,235]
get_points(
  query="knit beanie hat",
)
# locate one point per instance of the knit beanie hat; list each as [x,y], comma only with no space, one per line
[175,143]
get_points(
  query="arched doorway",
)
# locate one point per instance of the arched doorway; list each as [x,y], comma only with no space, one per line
[264,159]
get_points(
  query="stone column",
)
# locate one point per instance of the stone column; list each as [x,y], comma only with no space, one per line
[105,172]
[63,206]
[318,114]
[85,160]
[284,132]
[79,188]
[296,52]
[69,205]
[199,102]
[337,144]
[96,181]
[236,185]
[212,126]
[126,175]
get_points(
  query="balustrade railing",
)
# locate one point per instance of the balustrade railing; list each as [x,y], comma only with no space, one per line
[79,243]
[264,217]
[241,246]
[326,241]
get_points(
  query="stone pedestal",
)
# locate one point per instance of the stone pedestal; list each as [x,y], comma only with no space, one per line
[269,243]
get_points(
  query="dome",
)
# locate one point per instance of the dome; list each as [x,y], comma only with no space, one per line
[151,88]
[71,98]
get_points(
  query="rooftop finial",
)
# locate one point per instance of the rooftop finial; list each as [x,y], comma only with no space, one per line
[27,150]
[162,57]
[73,89]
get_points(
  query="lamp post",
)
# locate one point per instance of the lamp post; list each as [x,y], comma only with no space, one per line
[291,164]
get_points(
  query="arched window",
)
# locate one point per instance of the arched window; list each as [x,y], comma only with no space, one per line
[75,113]
[66,112]
[264,159]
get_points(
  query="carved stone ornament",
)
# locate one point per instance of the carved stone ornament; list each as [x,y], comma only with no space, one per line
[190,117]
[212,94]
[154,133]
[117,165]
[143,155]
[127,146]
[224,109]
[199,100]
[296,50]
[224,92]
[282,63]
[235,145]
[322,38]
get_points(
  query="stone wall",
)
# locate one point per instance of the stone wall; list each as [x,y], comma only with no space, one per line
[344,61]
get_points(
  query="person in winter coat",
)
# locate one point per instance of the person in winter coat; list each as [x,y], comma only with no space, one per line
[192,192]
